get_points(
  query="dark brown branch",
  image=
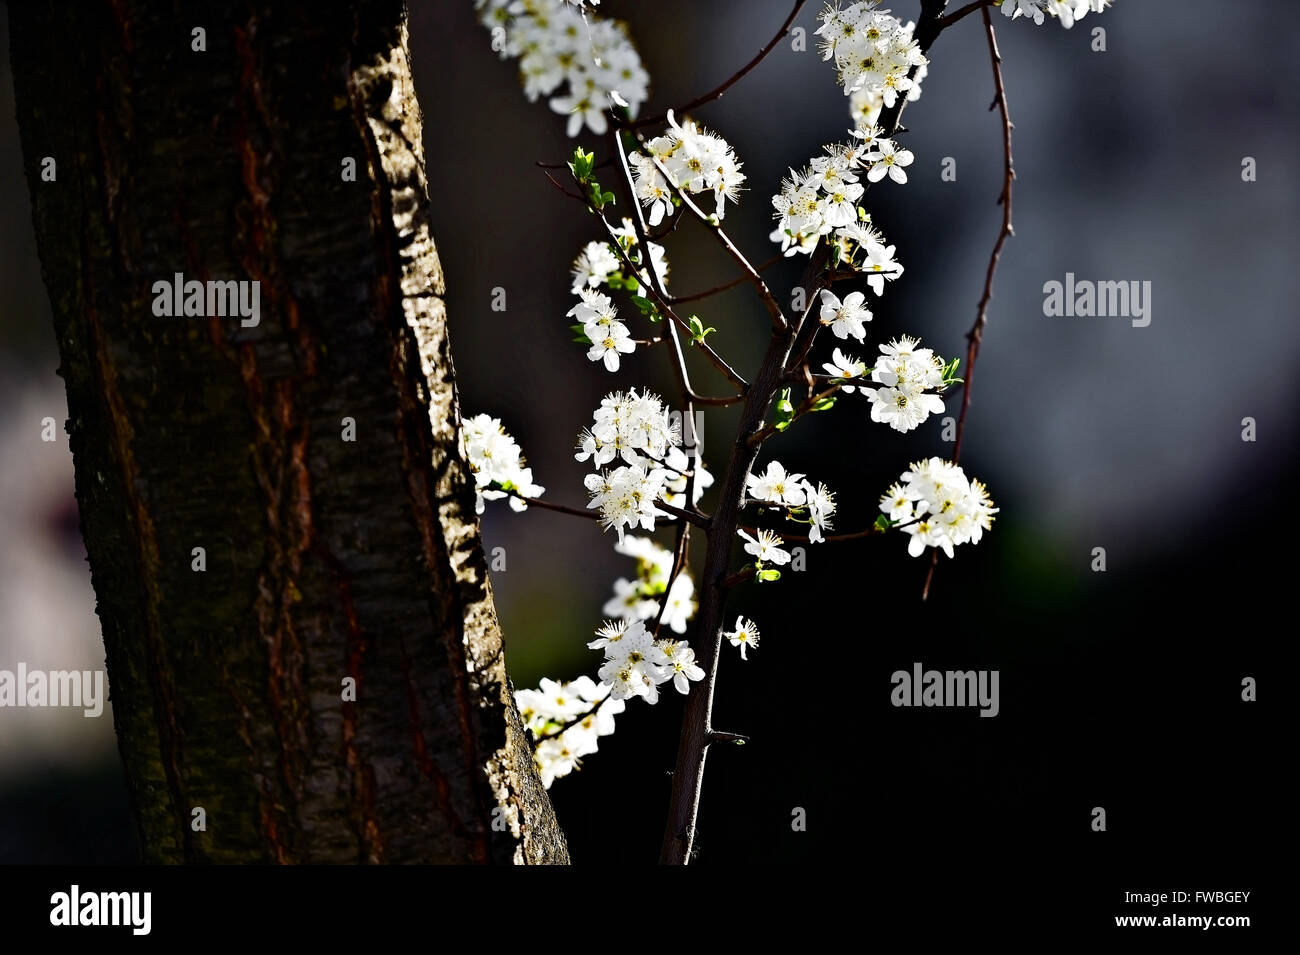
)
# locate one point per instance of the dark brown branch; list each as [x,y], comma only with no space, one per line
[680,548]
[658,297]
[749,272]
[688,773]
[725,286]
[694,517]
[718,91]
[558,508]
[805,407]
[740,576]
[976,335]
[565,727]
[680,371]
[560,186]
[961,12]
[719,737]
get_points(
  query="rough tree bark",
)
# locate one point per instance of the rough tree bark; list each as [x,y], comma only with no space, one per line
[325,558]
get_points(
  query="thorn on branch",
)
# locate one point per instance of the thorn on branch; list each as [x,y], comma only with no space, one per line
[718,737]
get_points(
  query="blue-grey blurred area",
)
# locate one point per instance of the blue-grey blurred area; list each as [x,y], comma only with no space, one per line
[1089,432]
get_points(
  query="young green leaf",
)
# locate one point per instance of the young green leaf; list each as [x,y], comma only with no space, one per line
[698,331]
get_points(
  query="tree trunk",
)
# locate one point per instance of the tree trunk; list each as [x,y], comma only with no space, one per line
[329,556]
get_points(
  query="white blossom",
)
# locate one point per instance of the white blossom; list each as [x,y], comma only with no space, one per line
[776,486]
[681,664]
[873,50]
[642,598]
[583,62]
[593,265]
[766,548]
[626,497]
[568,719]
[496,463]
[821,200]
[938,506]
[744,636]
[887,158]
[821,508]
[845,366]
[1068,12]
[695,159]
[845,318]
[908,374]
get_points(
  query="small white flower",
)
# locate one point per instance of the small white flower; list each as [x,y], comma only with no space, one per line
[593,266]
[821,507]
[744,636]
[943,508]
[776,486]
[888,159]
[682,665]
[879,266]
[766,548]
[616,341]
[845,318]
[496,463]
[844,366]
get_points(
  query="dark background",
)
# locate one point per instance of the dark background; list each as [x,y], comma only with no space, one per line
[1119,690]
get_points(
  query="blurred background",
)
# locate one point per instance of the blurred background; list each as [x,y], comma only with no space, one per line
[1118,689]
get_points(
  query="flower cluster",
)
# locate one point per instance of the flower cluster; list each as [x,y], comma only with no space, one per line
[609,337]
[822,199]
[636,663]
[640,599]
[907,373]
[626,496]
[1066,11]
[865,104]
[497,464]
[600,264]
[936,504]
[555,47]
[634,427]
[695,161]
[568,719]
[639,430]
[874,51]
[814,505]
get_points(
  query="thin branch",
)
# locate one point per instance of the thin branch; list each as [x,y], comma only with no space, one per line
[561,730]
[696,518]
[872,531]
[725,286]
[960,12]
[718,361]
[657,286]
[805,407]
[697,730]
[717,736]
[680,548]
[558,508]
[607,161]
[739,576]
[750,273]
[976,335]
[717,91]
[559,186]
